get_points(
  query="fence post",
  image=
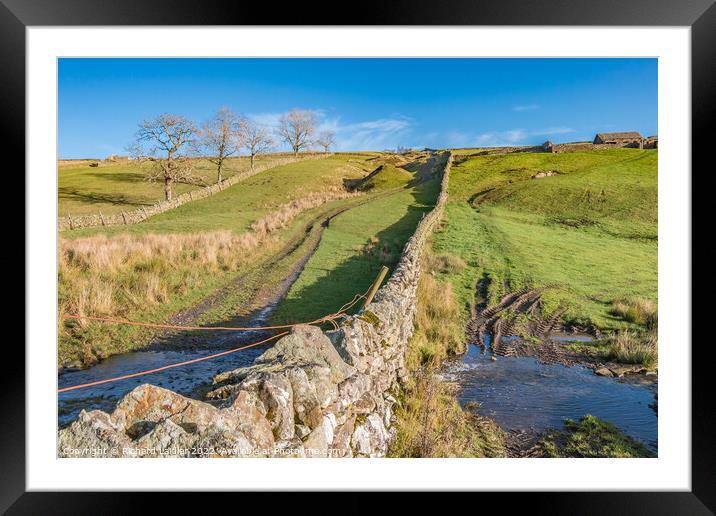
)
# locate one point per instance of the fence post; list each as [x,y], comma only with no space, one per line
[375,286]
[101,218]
[72,225]
[124,217]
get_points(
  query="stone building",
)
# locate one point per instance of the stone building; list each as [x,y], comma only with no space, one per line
[627,139]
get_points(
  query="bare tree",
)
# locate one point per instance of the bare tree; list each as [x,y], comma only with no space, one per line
[221,137]
[296,128]
[165,141]
[326,139]
[255,139]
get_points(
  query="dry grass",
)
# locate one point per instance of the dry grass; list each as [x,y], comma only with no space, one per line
[439,332]
[280,217]
[637,310]
[431,423]
[446,263]
[630,347]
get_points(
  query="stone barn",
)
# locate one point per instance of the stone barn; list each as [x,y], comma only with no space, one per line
[628,139]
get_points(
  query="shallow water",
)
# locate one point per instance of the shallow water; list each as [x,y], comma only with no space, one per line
[521,393]
[183,379]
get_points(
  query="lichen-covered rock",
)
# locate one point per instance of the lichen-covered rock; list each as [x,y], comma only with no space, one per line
[370,438]
[92,434]
[319,441]
[276,401]
[341,447]
[251,421]
[306,405]
[308,345]
[166,439]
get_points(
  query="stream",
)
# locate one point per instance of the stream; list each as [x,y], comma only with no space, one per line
[522,394]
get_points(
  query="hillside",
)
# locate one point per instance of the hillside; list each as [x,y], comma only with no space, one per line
[581,226]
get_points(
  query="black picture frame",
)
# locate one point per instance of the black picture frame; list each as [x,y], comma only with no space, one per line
[700,15]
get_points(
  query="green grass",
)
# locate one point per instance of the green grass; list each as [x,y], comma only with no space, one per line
[387,178]
[352,250]
[116,187]
[592,437]
[238,206]
[588,233]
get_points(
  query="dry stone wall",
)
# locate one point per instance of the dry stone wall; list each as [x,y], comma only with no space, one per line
[313,394]
[140,214]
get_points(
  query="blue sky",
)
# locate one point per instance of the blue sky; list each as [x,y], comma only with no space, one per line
[371,104]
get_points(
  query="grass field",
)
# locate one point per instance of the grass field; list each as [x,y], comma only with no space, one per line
[149,271]
[588,233]
[356,244]
[237,207]
[122,186]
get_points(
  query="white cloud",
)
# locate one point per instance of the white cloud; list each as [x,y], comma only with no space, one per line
[378,134]
[525,107]
[516,136]
[553,130]
[501,138]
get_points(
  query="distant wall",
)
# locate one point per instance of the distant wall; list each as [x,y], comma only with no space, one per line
[140,214]
[589,146]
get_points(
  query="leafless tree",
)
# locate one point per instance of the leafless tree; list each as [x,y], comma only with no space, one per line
[165,141]
[255,139]
[296,128]
[221,137]
[326,139]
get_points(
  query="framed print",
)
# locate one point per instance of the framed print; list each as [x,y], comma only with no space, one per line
[436,249]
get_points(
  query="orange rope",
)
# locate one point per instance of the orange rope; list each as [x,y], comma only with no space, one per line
[170,366]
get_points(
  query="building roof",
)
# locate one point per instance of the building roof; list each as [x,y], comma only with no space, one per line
[617,136]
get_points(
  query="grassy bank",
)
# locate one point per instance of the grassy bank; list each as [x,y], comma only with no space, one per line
[113,187]
[150,271]
[592,437]
[587,235]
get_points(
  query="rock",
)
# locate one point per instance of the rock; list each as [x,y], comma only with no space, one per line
[166,439]
[275,393]
[320,439]
[92,434]
[603,371]
[353,388]
[370,438]
[302,431]
[308,345]
[364,405]
[251,421]
[147,405]
[306,405]
[341,447]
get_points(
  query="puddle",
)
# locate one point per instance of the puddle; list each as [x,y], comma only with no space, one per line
[520,393]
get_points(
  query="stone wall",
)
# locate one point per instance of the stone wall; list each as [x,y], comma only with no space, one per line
[313,394]
[140,214]
[587,146]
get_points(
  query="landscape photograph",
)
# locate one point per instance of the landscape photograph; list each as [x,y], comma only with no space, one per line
[357,258]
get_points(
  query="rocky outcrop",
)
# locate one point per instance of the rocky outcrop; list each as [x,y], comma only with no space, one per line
[313,394]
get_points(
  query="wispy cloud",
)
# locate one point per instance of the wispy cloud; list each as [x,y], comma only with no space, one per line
[377,134]
[516,136]
[525,107]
